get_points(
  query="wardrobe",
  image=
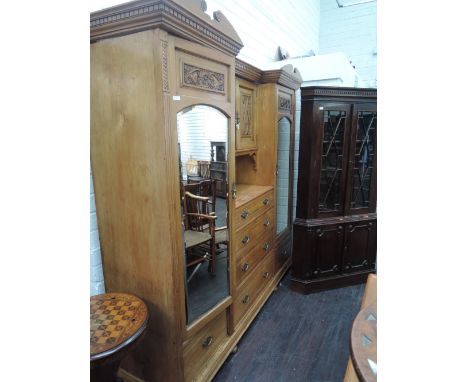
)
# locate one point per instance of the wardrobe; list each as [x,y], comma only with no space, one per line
[170,106]
[335,230]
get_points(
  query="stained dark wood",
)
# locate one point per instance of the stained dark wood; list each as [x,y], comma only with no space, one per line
[335,237]
[314,348]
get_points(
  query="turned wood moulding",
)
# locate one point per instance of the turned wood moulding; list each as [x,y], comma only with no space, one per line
[184,18]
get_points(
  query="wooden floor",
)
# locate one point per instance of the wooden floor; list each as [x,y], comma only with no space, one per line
[296,338]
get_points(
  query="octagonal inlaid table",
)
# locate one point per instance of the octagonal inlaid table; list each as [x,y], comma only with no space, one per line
[364,343]
[117,322]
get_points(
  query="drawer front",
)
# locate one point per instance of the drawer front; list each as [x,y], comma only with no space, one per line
[204,347]
[252,288]
[249,211]
[246,238]
[247,263]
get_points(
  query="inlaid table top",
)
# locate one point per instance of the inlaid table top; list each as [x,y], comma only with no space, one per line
[117,319]
[364,343]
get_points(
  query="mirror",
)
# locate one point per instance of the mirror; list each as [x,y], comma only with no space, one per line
[282,174]
[202,133]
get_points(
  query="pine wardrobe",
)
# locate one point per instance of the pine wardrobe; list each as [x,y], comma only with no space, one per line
[172,110]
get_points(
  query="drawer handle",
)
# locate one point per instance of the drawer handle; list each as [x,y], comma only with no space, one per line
[244,214]
[245,267]
[266,222]
[246,239]
[266,246]
[266,201]
[209,340]
[246,299]
[266,275]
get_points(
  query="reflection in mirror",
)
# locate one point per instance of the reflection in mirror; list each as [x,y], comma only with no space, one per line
[202,138]
[282,177]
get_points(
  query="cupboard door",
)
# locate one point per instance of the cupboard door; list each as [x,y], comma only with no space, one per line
[362,173]
[326,244]
[334,126]
[360,246]
[245,116]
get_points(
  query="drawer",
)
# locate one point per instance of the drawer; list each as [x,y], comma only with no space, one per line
[249,211]
[203,348]
[249,292]
[247,237]
[246,263]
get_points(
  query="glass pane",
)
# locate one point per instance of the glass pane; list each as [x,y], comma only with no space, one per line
[282,177]
[363,158]
[332,160]
[202,136]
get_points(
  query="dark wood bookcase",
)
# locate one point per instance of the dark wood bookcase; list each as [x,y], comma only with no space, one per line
[335,230]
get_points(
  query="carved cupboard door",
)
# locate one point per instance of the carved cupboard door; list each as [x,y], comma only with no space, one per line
[360,246]
[245,116]
[327,245]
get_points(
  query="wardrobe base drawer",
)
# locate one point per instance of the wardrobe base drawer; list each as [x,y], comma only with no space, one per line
[204,348]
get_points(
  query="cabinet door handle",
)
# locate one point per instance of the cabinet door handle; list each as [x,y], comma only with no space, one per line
[266,246]
[245,267]
[246,299]
[266,222]
[266,275]
[209,340]
[244,214]
[266,201]
[246,239]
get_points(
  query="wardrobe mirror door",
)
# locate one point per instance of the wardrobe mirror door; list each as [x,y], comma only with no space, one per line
[282,174]
[202,133]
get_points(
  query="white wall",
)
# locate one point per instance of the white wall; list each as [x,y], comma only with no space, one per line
[263,25]
[353,31]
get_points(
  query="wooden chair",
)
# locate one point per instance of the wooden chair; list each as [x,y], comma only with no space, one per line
[199,223]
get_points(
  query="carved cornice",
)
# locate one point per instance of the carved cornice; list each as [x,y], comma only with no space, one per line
[184,18]
[248,72]
[324,91]
[286,76]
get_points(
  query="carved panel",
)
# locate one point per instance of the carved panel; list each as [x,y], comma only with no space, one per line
[246,115]
[284,104]
[164,66]
[203,79]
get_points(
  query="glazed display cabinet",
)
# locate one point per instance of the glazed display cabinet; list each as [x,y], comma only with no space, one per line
[335,231]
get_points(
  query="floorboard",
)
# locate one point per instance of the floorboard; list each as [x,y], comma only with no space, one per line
[296,338]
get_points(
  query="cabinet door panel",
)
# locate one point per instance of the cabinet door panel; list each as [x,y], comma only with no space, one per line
[327,250]
[360,246]
[335,124]
[362,174]
[245,116]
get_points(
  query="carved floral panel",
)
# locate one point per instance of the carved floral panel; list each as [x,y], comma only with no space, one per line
[203,79]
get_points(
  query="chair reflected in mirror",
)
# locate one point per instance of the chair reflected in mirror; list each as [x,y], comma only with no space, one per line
[203,239]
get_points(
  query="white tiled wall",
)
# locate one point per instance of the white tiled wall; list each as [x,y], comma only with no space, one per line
[96,275]
[353,31]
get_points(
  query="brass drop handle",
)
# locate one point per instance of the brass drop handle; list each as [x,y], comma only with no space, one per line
[266,201]
[266,275]
[266,222]
[209,340]
[244,214]
[245,267]
[246,239]
[266,246]
[246,299]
